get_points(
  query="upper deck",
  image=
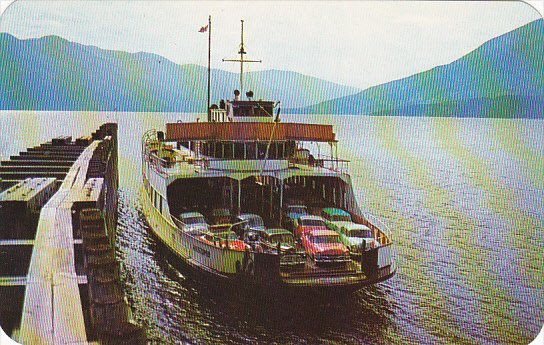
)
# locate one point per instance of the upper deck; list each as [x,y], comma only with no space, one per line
[240,150]
[249,131]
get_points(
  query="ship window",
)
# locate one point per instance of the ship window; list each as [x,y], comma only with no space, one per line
[274,151]
[216,150]
[261,151]
[160,204]
[238,151]
[227,150]
[251,150]
[323,189]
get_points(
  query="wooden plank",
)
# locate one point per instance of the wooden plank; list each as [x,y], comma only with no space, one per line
[31,162]
[28,189]
[16,242]
[13,281]
[37,317]
[21,280]
[68,323]
[36,157]
[52,310]
[20,242]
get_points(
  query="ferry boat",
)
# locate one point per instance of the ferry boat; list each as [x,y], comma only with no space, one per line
[241,200]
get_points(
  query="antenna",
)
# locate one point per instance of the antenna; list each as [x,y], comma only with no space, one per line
[242,52]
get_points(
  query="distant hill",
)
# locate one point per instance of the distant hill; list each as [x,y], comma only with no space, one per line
[51,73]
[504,77]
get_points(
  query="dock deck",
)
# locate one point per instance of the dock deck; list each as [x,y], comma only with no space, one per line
[44,277]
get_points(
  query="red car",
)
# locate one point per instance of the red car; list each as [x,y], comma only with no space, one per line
[325,247]
[306,223]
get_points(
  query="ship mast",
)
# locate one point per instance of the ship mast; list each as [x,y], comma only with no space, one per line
[209,61]
[242,52]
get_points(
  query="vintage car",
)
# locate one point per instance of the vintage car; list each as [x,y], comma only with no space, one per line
[325,247]
[248,224]
[291,215]
[221,215]
[237,245]
[224,239]
[335,217]
[192,222]
[283,237]
[226,235]
[357,237]
[288,247]
[306,223]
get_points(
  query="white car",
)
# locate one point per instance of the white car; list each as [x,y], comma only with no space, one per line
[353,235]
[193,222]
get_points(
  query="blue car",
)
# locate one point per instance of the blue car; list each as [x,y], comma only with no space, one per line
[291,215]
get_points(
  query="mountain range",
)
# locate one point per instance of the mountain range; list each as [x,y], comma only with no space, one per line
[51,73]
[504,77]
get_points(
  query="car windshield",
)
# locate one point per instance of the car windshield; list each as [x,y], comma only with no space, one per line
[255,221]
[340,218]
[220,212]
[312,222]
[326,239]
[194,221]
[283,238]
[298,209]
[360,233]
[227,235]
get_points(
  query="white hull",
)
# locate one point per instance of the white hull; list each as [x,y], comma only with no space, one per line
[221,262]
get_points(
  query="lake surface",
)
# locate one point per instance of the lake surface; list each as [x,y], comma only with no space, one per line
[463,197]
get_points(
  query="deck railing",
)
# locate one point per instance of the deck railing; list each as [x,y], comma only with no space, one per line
[218,115]
[168,166]
[152,147]
[382,233]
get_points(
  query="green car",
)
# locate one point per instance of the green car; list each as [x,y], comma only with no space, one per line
[335,218]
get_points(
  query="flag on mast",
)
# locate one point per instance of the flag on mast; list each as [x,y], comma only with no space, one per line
[203,29]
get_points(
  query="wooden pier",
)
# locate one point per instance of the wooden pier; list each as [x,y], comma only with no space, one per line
[60,279]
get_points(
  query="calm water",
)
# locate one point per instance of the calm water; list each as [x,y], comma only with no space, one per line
[465,201]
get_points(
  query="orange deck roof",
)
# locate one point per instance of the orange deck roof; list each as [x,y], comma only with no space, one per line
[241,131]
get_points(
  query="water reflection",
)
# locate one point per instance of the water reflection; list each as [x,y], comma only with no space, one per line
[466,213]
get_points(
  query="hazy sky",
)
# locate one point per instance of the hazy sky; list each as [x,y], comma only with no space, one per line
[354,43]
